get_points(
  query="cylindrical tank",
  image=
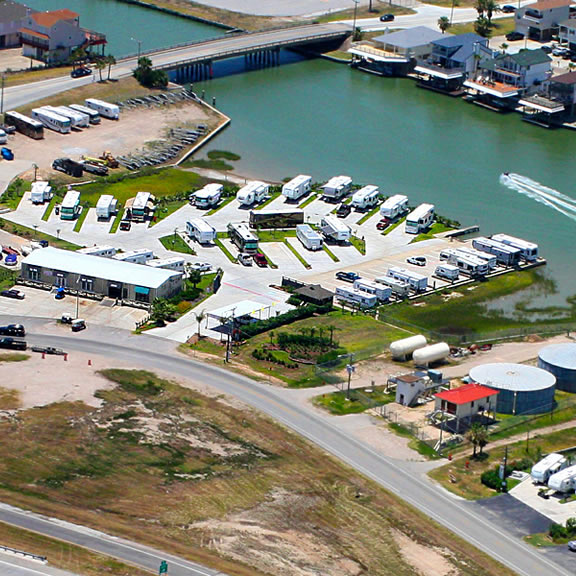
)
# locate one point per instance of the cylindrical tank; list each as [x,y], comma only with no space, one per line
[523,389]
[560,360]
[401,349]
[434,353]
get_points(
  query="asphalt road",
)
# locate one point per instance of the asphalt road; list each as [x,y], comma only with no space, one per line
[463,518]
[11,565]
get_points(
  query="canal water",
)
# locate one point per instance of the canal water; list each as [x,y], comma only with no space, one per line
[322,118]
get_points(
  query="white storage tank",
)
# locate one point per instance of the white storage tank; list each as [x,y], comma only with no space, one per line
[560,360]
[401,349]
[429,354]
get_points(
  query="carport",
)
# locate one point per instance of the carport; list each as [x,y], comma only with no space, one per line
[242,312]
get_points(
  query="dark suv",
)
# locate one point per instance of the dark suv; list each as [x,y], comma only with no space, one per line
[343,210]
[347,276]
[12,330]
[12,344]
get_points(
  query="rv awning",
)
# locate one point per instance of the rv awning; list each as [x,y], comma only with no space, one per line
[439,73]
[492,91]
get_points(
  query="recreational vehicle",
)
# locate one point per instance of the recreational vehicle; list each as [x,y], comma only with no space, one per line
[28,126]
[176,263]
[51,120]
[41,192]
[208,197]
[106,207]
[417,282]
[141,206]
[253,193]
[92,114]
[551,464]
[336,188]
[140,256]
[447,272]
[70,207]
[297,187]
[366,198]
[394,206]
[528,250]
[355,297]
[105,109]
[198,229]
[102,251]
[334,229]
[309,238]
[381,292]
[283,218]
[490,259]
[469,265]
[563,481]
[399,288]
[507,255]
[77,119]
[420,219]
[244,239]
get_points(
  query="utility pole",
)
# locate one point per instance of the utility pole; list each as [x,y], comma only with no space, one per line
[350,368]
[2,94]
[356,2]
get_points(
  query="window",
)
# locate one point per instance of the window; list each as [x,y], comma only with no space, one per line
[87,284]
[33,273]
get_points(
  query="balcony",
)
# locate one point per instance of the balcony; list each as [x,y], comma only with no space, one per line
[94,38]
[492,87]
[367,52]
[34,39]
[434,69]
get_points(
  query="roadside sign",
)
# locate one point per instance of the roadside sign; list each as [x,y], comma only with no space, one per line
[163,567]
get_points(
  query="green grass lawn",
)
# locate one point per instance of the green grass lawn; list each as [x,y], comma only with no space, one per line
[80,220]
[360,400]
[225,202]
[30,234]
[273,196]
[500,26]
[116,221]
[330,253]
[275,235]
[166,209]
[368,215]
[359,244]
[418,445]
[436,228]
[308,201]
[175,243]
[14,193]
[297,254]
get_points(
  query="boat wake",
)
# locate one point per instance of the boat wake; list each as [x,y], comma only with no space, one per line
[542,194]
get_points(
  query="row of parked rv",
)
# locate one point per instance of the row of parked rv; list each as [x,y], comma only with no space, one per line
[556,472]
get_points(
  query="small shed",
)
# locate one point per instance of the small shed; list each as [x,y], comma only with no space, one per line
[315,294]
[465,402]
[409,387]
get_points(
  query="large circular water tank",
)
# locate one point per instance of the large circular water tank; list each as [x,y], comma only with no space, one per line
[429,354]
[560,360]
[523,389]
[403,348]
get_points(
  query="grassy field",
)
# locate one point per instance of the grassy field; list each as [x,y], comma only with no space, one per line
[25,232]
[195,467]
[14,193]
[436,228]
[175,243]
[500,26]
[338,403]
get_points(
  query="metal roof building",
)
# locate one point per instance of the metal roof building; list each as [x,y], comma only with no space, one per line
[523,389]
[560,360]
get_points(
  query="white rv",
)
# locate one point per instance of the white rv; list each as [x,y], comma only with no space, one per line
[106,207]
[70,207]
[105,109]
[551,464]
[417,282]
[334,229]
[77,119]
[336,188]
[297,187]
[394,206]
[365,198]
[198,229]
[41,192]
[469,265]
[310,238]
[253,193]
[140,256]
[209,196]
[491,260]
[563,481]
[528,250]
[102,251]
[381,292]
[92,114]
[447,272]
[51,120]
[507,255]
[398,287]
[355,297]
[176,263]
[420,219]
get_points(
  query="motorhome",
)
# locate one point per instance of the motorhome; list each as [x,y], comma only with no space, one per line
[563,481]
[92,114]
[105,109]
[70,207]
[334,229]
[242,237]
[208,197]
[506,255]
[381,292]
[198,229]
[365,198]
[417,282]
[309,238]
[297,187]
[28,126]
[528,250]
[77,119]
[102,251]
[140,256]
[447,272]
[420,219]
[469,265]
[252,193]
[106,207]
[282,218]
[399,288]
[41,192]
[355,297]
[51,120]
[176,263]
[336,188]
[551,464]
[394,206]
[141,206]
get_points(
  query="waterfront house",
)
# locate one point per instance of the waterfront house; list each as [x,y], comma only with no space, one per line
[541,20]
[499,82]
[53,36]
[11,15]
[567,34]
[452,60]
[395,53]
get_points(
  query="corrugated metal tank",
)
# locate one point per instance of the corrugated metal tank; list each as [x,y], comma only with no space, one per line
[429,354]
[560,360]
[400,349]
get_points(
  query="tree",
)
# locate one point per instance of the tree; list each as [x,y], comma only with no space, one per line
[147,76]
[161,311]
[200,316]
[480,8]
[78,55]
[194,276]
[443,23]
[110,61]
[482,26]
[100,65]
[503,47]
[478,436]
[491,7]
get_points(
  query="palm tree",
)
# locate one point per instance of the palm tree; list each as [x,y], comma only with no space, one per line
[443,23]
[200,316]
[100,65]
[110,60]
[491,7]
[503,47]
[331,328]
[478,436]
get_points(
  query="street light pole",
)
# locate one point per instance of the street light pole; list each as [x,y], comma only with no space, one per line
[139,46]
[356,2]
[2,94]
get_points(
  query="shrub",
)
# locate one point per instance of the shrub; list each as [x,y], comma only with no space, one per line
[557,531]
[491,478]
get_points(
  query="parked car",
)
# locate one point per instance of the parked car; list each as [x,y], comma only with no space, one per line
[81,72]
[347,276]
[387,18]
[343,210]
[11,260]
[7,153]
[572,545]
[12,344]
[59,294]
[260,260]
[13,294]
[78,324]
[245,259]
[512,36]
[383,224]
[12,330]
[48,350]
[201,266]
[125,225]
[561,51]
[417,260]
[547,49]
[508,9]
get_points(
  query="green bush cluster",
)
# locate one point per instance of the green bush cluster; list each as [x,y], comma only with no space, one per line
[286,340]
[269,356]
[491,478]
[558,532]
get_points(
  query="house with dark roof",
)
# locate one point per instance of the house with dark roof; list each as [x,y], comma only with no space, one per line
[541,20]
[452,60]
[567,34]
[314,294]
[563,89]
[395,53]
[11,16]
[499,83]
